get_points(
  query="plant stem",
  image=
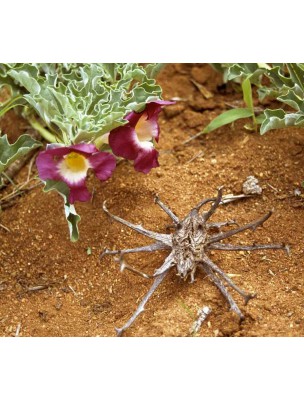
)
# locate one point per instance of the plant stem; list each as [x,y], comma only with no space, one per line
[47,135]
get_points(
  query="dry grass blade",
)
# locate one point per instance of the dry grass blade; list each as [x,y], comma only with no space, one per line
[204,91]
[4,227]
[9,199]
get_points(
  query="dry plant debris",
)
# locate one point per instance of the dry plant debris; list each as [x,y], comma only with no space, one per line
[202,314]
[189,245]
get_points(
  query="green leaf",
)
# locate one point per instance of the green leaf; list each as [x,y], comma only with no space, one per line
[12,103]
[11,152]
[153,70]
[260,119]
[26,76]
[278,77]
[285,83]
[81,102]
[7,82]
[296,72]
[227,117]
[70,213]
[276,119]
[247,96]
[240,72]
[247,93]
[294,97]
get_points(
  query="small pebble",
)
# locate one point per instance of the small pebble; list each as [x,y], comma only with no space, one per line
[251,185]
[289,314]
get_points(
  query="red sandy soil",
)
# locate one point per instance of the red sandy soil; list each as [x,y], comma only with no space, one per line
[82,296]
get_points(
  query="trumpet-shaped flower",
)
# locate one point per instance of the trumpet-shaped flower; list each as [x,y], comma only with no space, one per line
[70,164]
[134,141]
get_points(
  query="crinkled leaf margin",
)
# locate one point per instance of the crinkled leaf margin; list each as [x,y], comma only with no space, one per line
[11,152]
[81,102]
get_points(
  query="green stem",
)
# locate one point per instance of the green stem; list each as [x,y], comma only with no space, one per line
[247,96]
[16,101]
[254,121]
[47,135]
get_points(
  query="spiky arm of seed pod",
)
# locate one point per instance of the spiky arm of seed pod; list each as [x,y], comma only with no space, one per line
[228,246]
[166,239]
[216,269]
[252,225]
[203,202]
[157,281]
[214,206]
[222,288]
[218,225]
[168,264]
[166,209]
[151,247]
[124,265]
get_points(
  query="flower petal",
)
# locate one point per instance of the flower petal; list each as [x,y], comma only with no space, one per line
[154,107]
[133,117]
[146,160]
[59,150]
[124,143]
[70,164]
[103,164]
[73,168]
[147,129]
[79,193]
[47,166]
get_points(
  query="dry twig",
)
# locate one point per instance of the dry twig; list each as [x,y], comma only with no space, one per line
[9,199]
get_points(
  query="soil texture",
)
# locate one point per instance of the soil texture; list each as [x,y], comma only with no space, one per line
[52,287]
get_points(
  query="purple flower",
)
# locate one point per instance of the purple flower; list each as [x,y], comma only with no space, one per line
[134,141]
[70,165]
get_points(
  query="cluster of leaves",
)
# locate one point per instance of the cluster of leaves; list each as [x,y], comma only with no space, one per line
[283,82]
[78,102]
[71,104]
[11,152]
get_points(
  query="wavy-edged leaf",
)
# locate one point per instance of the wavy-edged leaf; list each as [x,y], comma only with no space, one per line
[70,213]
[83,101]
[10,92]
[294,97]
[227,117]
[11,152]
[296,72]
[153,70]
[278,77]
[26,76]
[253,71]
[276,119]
[12,103]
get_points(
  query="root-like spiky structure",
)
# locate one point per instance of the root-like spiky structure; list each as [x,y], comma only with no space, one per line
[189,244]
